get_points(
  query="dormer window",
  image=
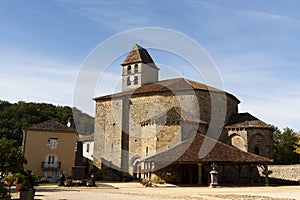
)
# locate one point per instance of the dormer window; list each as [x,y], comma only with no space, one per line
[136,68]
[129,69]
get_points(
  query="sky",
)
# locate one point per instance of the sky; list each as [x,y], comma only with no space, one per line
[254,45]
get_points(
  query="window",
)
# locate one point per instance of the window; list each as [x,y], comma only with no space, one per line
[136,80]
[129,69]
[257,151]
[51,159]
[88,147]
[136,68]
[147,151]
[128,81]
[53,143]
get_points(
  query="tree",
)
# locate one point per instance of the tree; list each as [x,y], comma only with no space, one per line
[15,116]
[285,146]
[11,157]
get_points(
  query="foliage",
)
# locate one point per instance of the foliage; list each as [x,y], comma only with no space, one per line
[4,192]
[11,156]
[15,116]
[285,146]
[9,179]
[25,180]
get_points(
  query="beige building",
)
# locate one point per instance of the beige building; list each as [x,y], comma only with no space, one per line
[49,148]
[149,117]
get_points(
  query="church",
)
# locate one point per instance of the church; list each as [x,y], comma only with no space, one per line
[175,130]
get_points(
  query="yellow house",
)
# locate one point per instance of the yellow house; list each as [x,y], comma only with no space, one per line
[49,148]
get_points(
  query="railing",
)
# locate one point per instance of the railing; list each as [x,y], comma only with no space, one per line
[47,165]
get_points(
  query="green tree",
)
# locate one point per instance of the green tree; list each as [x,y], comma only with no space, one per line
[285,146]
[15,116]
[11,157]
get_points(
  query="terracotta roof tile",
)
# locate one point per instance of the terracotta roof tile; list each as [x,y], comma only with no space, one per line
[177,84]
[246,120]
[220,153]
[138,54]
[51,125]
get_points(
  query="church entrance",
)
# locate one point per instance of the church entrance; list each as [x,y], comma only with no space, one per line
[189,173]
[137,171]
[136,167]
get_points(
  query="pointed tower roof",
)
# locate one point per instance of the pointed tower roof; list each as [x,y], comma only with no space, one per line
[137,54]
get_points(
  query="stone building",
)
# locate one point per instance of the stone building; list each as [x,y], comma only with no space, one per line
[150,117]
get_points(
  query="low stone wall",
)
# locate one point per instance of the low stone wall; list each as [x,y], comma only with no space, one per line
[284,173]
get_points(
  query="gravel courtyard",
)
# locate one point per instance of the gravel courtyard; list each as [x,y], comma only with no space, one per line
[134,191]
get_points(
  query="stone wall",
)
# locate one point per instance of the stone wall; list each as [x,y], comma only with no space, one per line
[255,140]
[262,139]
[285,172]
[144,141]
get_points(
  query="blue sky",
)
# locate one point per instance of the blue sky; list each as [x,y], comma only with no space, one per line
[254,44]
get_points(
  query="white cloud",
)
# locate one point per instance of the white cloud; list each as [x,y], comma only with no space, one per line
[262,15]
[116,15]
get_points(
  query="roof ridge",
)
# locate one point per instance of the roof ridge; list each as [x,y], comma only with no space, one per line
[50,124]
[163,85]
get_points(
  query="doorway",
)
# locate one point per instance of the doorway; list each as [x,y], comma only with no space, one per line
[189,173]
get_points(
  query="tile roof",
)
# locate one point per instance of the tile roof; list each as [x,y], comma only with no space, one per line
[176,84]
[51,125]
[138,54]
[245,120]
[220,153]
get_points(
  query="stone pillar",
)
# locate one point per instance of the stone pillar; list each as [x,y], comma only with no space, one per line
[213,177]
[200,174]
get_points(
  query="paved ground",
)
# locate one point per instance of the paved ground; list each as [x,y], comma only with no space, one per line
[134,191]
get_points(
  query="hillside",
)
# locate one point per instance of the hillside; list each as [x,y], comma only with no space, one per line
[14,116]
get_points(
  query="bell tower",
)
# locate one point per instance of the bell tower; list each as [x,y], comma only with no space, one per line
[138,69]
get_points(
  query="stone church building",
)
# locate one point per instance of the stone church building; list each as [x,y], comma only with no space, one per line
[157,130]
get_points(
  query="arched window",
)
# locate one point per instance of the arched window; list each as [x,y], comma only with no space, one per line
[129,69]
[257,151]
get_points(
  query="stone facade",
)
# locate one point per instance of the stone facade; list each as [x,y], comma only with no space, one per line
[145,119]
[255,140]
[284,172]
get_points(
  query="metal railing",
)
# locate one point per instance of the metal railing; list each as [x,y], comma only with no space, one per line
[48,165]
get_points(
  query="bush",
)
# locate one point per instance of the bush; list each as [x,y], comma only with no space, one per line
[25,180]
[4,192]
